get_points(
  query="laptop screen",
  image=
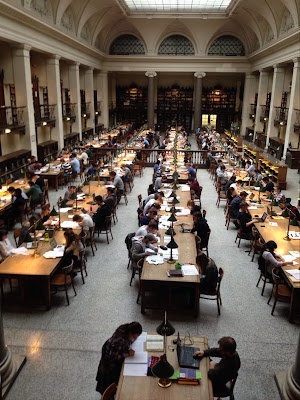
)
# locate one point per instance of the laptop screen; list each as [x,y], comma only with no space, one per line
[264,216]
[53,243]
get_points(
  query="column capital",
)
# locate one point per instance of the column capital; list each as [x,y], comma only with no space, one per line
[102,73]
[263,71]
[278,69]
[151,74]
[296,62]
[199,75]
[249,75]
[74,64]
[21,49]
[90,69]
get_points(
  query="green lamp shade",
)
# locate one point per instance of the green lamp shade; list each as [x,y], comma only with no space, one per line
[162,369]
[170,231]
[175,201]
[79,190]
[175,187]
[270,197]
[73,196]
[63,204]
[40,226]
[285,214]
[294,222]
[53,213]
[172,244]
[28,238]
[274,203]
[165,328]
[173,210]
[85,183]
[172,218]
[175,175]
[262,190]
[173,194]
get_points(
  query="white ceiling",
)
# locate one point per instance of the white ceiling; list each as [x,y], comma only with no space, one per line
[178,5]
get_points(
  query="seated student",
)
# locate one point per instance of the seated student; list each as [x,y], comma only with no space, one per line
[152,214]
[114,352]
[34,192]
[152,227]
[209,269]
[73,247]
[223,175]
[250,168]
[193,207]
[195,188]
[111,197]
[257,175]
[293,209]
[83,157]
[34,164]
[230,182]
[38,181]
[92,170]
[45,215]
[156,200]
[75,164]
[5,245]
[273,259]
[102,212]
[279,197]
[12,191]
[222,372]
[151,189]
[127,173]
[237,185]
[70,194]
[201,228]
[269,186]
[67,168]
[86,221]
[159,181]
[245,219]
[141,246]
[156,167]
[235,203]
[191,170]
[230,193]
[117,182]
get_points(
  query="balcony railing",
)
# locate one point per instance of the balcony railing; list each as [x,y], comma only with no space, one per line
[264,112]
[85,109]
[12,117]
[281,115]
[69,111]
[297,121]
[44,113]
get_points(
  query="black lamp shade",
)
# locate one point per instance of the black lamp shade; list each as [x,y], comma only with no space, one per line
[40,226]
[85,183]
[172,218]
[162,369]
[79,190]
[53,213]
[173,194]
[165,328]
[175,201]
[28,239]
[73,196]
[172,244]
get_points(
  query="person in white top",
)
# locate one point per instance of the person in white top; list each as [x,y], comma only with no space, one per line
[5,245]
[84,157]
[86,221]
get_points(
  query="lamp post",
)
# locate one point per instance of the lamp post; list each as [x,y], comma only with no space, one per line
[172,245]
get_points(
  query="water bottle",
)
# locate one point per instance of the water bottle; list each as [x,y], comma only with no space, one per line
[46,237]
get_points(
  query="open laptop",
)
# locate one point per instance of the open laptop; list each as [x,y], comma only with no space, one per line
[55,246]
[263,218]
[185,355]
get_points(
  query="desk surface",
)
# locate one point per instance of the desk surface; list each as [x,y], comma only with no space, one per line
[146,387]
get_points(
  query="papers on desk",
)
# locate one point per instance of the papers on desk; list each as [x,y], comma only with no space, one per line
[294,235]
[289,258]
[167,239]
[189,269]
[138,364]
[252,208]
[273,223]
[54,254]
[294,272]
[295,254]
[20,250]
[69,224]
[155,260]
[183,212]
[154,343]
[185,188]
[66,209]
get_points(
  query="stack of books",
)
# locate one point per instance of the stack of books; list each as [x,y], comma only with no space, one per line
[189,376]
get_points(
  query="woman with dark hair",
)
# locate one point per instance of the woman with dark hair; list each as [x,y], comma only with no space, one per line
[272,259]
[114,351]
[209,269]
[73,247]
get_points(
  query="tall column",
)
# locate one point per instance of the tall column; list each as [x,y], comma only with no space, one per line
[54,93]
[102,87]
[261,97]
[10,364]
[75,96]
[89,96]
[288,382]
[198,99]
[290,135]
[237,96]
[277,88]
[23,86]
[249,98]
[150,111]
[113,83]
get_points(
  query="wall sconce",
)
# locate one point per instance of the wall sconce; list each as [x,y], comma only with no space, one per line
[7,131]
[84,115]
[68,119]
[253,115]
[44,123]
[265,119]
[96,113]
[281,123]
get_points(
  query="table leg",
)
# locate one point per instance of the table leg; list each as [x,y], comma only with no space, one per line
[291,312]
[197,302]
[48,294]
[142,298]
[56,183]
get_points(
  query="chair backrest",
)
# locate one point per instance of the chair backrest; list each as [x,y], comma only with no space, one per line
[232,383]
[109,392]
[140,199]
[81,255]
[220,277]
[17,234]
[198,242]
[66,270]
[275,277]
[83,236]
[108,221]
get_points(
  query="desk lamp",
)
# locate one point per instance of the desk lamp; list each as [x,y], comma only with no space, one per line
[293,223]
[172,245]
[175,200]
[171,230]
[78,190]
[162,369]
[87,182]
[53,213]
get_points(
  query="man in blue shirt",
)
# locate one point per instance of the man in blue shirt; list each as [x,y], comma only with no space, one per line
[191,170]
[146,143]
[235,203]
[75,164]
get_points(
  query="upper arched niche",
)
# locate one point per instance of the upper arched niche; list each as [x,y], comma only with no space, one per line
[176,45]
[226,46]
[127,45]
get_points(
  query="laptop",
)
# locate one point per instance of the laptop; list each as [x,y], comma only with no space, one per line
[185,355]
[263,218]
[55,246]
[271,213]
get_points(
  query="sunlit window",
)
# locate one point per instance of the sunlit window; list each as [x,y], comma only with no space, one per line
[178,5]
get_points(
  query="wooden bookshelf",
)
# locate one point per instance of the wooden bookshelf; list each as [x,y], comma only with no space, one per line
[252,151]
[260,139]
[71,139]
[131,104]
[272,167]
[275,147]
[47,151]
[235,141]
[293,158]
[175,104]
[12,165]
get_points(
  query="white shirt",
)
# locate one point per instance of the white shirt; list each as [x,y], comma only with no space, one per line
[148,205]
[87,222]
[84,157]
[5,248]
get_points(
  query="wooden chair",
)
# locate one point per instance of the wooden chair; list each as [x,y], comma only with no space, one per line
[198,243]
[256,243]
[16,235]
[265,276]
[46,190]
[197,200]
[107,229]
[205,248]
[242,235]
[83,237]
[64,280]
[280,291]
[28,209]
[109,392]
[114,213]
[221,196]
[90,240]
[215,295]
[82,264]
[140,264]
[122,195]
[128,243]
[229,217]
[229,388]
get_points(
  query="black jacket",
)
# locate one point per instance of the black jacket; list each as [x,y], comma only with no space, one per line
[99,217]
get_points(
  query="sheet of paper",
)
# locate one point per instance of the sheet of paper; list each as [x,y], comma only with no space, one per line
[167,239]
[53,254]
[185,188]
[295,254]
[252,208]
[69,224]
[288,258]
[294,235]
[135,369]
[188,269]
[19,250]
[294,272]
[66,209]
[157,259]
[138,358]
[137,346]
[273,223]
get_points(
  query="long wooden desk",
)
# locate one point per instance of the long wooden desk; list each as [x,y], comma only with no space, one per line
[146,387]
[154,277]
[27,267]
[277,233]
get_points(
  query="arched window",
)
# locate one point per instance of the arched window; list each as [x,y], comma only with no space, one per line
[126,45]
[226,46]
[176,45]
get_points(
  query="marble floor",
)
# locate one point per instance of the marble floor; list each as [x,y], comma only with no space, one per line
[63,345]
